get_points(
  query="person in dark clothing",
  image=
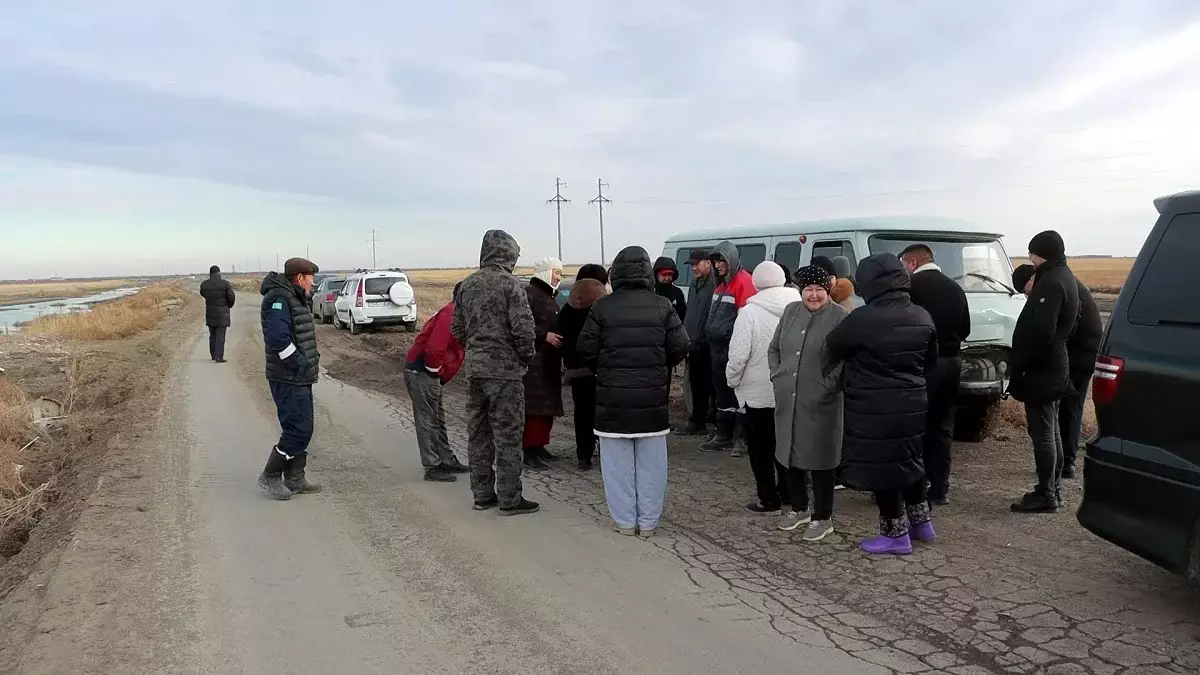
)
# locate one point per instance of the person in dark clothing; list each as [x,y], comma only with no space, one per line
[543,382]
[431,362]
[946,303]
[887,347]
[699,360]
[1082,348]
[589,287]
[665,274]
[1041,370]
[218,300]
[292,368]
[634,337]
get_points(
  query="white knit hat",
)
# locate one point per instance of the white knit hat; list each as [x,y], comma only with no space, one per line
[768,275]
[544,270]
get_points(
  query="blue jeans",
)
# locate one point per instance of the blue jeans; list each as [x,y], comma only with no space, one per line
[635,479]
[294,404]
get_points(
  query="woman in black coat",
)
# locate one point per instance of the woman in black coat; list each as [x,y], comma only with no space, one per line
[589,287]
[634,337]
[543,381]
[887,347]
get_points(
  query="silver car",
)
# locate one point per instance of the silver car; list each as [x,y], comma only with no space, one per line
[324,296]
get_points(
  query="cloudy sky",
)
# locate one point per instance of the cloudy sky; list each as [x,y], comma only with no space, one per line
[138,136]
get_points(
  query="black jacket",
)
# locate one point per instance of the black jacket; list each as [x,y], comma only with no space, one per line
[670,291]
[633,336]
[218,300]
[1040,365]
[287,322]
[946,303]
[888,346]
[1085,341]
[584,294]
[699,304]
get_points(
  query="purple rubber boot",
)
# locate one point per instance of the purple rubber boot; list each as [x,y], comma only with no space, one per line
[881,544]
[923,532]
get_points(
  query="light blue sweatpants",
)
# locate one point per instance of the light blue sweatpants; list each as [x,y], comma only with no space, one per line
[635,479]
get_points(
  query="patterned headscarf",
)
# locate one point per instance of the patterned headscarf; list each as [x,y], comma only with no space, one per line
[813,275]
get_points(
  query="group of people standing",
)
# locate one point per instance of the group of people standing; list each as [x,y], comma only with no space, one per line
[824,392]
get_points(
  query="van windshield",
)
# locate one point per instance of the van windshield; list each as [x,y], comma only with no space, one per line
[979,265]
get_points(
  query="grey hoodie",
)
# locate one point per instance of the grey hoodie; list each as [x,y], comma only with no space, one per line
[492,319]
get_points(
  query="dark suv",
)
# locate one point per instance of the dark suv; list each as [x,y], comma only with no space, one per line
[1142,471]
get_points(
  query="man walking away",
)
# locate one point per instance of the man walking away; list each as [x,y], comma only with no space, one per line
[1041,367]
[665,275]
[633,337]
[734,288]
[946,303]
[699,361]
[218,300]
[493,323]
[431,363]
[293,364]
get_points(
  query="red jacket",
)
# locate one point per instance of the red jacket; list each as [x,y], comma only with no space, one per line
[741,287]
[435,349]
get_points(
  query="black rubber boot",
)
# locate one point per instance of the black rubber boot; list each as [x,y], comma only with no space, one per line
[293,477]
[271,478]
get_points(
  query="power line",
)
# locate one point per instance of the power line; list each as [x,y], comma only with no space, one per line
[600,201]
[558,201]
[373,241]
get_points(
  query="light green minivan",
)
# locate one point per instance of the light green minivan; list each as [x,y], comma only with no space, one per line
[971,255]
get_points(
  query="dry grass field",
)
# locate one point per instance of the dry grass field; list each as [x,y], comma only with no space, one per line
[15,293]
[111,320]
[1102,275]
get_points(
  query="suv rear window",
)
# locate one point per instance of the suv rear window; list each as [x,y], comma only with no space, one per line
[1162,295]
[379,285]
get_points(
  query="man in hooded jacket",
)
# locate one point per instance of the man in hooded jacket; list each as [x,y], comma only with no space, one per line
[665,275]
[1041,366]
[734,289]
[493,323]
[699,360]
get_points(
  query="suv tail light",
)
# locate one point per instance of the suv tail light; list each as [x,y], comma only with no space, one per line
[1106,378]
[358,297]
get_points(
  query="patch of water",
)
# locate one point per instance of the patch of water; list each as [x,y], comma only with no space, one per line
[13,316]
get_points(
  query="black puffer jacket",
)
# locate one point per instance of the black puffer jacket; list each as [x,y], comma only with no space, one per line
[888,346]
[218,300]
[1085,341]
[670,291]
[276,288]
[633,336]
[1041,371]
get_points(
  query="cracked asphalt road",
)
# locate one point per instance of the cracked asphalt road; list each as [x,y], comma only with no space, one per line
[997,593]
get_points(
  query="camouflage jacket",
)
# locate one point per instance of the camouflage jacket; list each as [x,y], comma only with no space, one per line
[492,319]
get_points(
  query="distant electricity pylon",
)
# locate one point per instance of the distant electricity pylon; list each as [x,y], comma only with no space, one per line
[558,201]
[600,201]
[373,241]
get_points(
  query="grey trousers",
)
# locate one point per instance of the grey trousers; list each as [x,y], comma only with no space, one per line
[429,418]
[1046,435]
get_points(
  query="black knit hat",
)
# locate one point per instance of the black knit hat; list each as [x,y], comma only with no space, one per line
[1022,275]
[1048,245]
[592,271]
[814,275]
[825,264]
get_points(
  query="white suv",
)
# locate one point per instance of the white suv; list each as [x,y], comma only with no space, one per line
[376,298]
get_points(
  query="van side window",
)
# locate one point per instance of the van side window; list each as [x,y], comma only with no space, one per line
[1162,294]
[787,255]
[684,266]
[832,249]
[751,255]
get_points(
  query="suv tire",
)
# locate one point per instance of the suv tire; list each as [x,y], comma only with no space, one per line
[337,323]
[973,420]
[411,326]
[354,329]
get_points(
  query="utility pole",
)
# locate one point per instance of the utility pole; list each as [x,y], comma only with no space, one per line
[558,201]
[276,262]
[373,241]
[600,201]
[259,264]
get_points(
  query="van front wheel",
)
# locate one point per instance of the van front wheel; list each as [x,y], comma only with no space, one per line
[973,420]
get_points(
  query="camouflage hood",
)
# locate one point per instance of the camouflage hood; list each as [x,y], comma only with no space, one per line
[499,251]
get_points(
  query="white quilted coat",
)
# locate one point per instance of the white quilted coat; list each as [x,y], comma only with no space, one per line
[747,372]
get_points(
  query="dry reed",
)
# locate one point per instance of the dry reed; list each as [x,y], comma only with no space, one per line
[113,320]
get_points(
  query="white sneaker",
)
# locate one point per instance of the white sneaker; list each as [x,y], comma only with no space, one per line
[818,530]
[791,520]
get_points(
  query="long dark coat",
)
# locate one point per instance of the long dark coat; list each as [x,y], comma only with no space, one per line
[218,299]
[543,382]
[888,346]
[1041,370]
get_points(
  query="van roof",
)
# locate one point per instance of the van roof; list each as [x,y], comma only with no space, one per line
[876,223]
